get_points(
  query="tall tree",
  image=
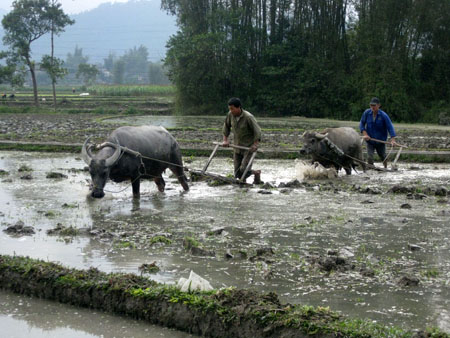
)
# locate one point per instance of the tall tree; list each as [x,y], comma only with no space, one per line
[88,73]
[52,65]
[119,72]
[315,58]
[12,72]
[27,22]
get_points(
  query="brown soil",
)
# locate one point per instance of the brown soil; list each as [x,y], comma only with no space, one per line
[277,134]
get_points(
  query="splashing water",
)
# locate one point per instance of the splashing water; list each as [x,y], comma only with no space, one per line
[314,171]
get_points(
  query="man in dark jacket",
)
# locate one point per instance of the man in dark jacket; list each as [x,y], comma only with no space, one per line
[376,124]
[247,133]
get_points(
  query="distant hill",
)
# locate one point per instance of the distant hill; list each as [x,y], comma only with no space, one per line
[112,28]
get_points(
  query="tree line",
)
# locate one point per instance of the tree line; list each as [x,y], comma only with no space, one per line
[132,67]
[29,20]
[323,58]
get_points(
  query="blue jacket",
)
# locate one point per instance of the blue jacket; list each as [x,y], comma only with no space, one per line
[379,128]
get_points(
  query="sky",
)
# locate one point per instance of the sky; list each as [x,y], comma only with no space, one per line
[69,6]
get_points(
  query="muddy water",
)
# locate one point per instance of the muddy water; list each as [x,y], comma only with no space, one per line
[372,231]
[22,317]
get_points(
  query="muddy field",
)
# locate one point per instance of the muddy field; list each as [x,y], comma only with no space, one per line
[370,245]
[195,132]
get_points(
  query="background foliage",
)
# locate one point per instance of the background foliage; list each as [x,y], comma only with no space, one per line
[313,58]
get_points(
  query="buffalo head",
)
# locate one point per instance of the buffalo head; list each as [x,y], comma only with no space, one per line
[311,142]
[100,165]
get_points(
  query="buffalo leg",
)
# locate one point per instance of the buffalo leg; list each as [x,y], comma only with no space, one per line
[348,170]
[136,185]
[160,183]
[179,173]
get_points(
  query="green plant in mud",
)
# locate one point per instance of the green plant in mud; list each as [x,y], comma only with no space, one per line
[190,242]
[69,231]
[69,206]
[430,273]
[160,239]
[118,244]
[149,268]
[50,214]
[25,168]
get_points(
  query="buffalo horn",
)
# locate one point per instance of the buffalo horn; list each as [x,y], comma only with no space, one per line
[85,152]
[320,136]
[113,159]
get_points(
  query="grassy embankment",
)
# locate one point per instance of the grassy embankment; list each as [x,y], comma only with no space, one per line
[219,313]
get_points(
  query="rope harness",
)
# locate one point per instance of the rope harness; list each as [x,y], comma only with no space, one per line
[142,171]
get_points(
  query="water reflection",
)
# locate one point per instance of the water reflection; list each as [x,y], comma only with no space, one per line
[23,317]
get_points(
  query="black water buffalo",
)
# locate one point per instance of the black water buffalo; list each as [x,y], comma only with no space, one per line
[338,147]
[159,151]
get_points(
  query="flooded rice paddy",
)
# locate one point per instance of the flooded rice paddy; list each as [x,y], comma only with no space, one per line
[278,237]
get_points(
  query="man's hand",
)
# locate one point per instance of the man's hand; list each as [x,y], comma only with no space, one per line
[253,148]
[366,137]
[392,140]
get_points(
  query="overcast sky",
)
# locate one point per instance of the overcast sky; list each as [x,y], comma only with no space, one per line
[69,6]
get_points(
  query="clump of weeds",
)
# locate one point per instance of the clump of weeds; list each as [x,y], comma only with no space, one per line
[25,168]
[160,239]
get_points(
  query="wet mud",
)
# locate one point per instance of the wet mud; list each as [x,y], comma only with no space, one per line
[194,132]
[348,243]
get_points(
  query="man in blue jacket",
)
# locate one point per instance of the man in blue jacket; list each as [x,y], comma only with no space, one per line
[376,124]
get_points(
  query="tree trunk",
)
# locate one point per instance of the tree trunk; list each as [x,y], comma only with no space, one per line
[53,77]
[33,80]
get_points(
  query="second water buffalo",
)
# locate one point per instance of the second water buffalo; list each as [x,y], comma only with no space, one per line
[338,147]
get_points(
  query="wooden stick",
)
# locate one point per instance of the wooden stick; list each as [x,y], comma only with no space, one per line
[385,142]
[394,164]
[232,146]
[248,166]
[210,158]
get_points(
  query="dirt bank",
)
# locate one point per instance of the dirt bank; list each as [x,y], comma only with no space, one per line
[218,313]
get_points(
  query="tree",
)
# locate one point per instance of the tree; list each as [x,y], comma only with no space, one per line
[156,74]
[118,72]
[27,22]
[54,68]
[75,59]
[88,73]
[12,72]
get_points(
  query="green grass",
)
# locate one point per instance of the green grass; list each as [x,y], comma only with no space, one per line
[131,90]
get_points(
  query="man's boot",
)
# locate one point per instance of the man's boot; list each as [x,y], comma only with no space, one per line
[257,179]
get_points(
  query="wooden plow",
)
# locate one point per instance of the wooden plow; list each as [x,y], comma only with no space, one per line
[226,179]
[397,156]
[340,152]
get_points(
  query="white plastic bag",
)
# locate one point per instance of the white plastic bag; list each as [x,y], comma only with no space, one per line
[194,282]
